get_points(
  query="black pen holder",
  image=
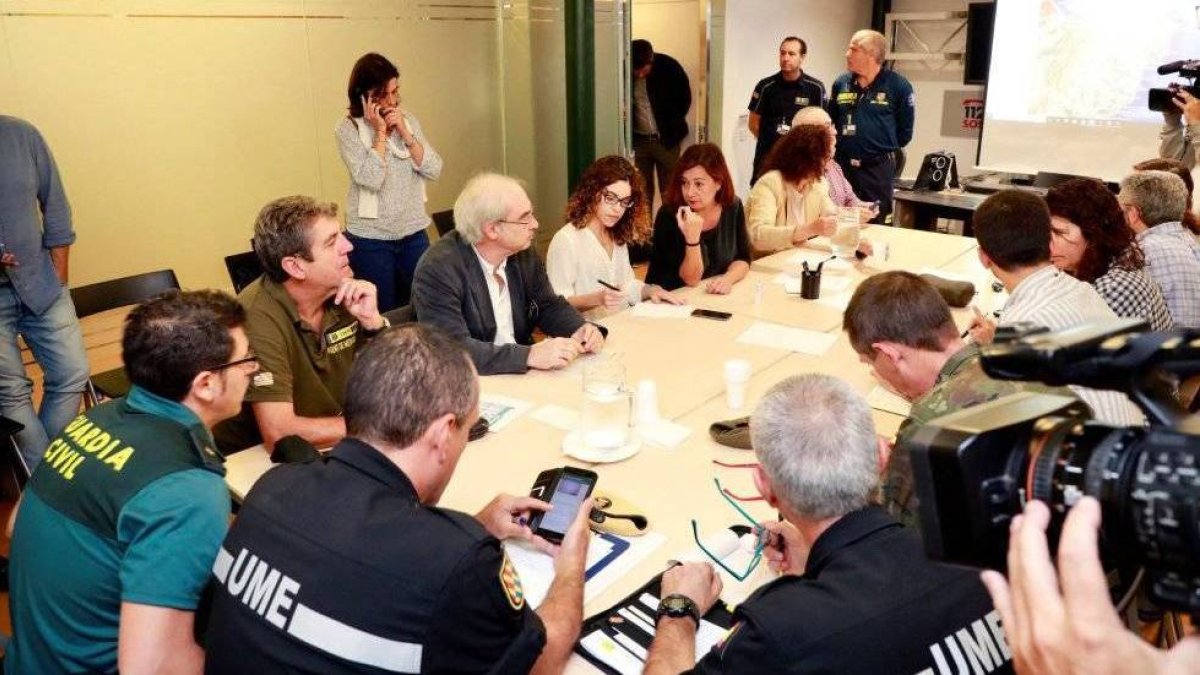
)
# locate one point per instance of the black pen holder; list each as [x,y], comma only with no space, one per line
[810,284]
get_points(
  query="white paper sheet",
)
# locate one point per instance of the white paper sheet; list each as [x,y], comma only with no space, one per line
[783,337]
[537,569]
[556,416]
[499,411]
[883,399]
[663,433]
[661,310]
[838,301]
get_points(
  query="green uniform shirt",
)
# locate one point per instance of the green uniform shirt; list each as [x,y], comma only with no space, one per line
[296,364]
[961,383]
[128,505]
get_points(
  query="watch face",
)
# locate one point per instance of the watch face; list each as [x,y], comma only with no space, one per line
[675,604]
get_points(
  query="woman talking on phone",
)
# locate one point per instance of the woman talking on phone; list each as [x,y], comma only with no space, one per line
[700,231]
[389,160]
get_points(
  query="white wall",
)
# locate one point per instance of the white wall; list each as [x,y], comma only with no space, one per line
[930,81]
[753,31]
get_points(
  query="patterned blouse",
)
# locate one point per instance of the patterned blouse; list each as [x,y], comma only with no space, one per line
[1132,294]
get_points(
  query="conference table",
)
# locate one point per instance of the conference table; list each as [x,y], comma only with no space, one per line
[671,482]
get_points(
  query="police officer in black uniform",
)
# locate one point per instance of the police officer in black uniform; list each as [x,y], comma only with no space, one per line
[346,564]
[857,593]
[873,111]
[776,99]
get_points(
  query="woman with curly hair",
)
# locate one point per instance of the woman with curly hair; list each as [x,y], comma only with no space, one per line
[607,212]
[1090,241]
[790,202]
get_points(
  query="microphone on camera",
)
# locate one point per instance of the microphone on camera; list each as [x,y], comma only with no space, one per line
[1172,67]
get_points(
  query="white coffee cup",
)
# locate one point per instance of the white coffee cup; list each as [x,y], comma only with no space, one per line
[647,402]
[737,375]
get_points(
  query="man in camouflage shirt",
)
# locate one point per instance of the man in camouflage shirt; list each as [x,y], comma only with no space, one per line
[900,326]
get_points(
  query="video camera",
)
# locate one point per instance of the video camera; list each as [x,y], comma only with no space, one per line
[1160,99]
[974,469]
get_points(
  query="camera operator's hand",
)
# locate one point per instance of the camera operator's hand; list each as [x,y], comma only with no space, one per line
[1189,105]
[1075,631]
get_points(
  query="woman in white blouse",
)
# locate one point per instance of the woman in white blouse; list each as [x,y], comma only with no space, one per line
[607,211]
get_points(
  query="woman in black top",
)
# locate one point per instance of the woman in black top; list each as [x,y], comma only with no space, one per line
[700,231]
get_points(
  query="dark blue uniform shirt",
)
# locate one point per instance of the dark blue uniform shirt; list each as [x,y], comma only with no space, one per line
[868,602]
[874,120]
[336,567]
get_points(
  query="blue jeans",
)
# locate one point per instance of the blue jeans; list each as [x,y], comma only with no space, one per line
[56,341]
[389,264]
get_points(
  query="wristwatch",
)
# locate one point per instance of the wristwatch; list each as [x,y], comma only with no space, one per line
[676,605]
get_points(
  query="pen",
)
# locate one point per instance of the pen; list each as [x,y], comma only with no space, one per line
[608,285]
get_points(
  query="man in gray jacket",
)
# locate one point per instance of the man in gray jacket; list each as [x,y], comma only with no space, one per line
[483,285]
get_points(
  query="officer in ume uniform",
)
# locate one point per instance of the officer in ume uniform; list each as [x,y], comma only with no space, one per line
[347,564]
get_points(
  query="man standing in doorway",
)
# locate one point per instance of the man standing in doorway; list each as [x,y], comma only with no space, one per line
[873,111]
[662,97]
[778,98]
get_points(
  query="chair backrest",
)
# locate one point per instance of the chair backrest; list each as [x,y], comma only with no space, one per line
[106,295]
[401,315]
[444,222]
[243,269]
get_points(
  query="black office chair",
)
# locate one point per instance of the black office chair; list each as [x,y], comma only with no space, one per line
[444,222]
[106,295]
[243,268]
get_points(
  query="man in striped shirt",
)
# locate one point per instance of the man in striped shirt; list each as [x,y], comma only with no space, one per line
[1154,203]
[1013,229]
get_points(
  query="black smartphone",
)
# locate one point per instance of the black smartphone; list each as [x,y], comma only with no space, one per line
[566,489]
[711,314]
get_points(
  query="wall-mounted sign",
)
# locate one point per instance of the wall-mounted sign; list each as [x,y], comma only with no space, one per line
[962,113]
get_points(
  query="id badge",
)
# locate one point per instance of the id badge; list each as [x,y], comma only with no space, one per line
[849,130]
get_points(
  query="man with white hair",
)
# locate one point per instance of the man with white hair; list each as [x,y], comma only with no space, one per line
[840,190]
[856,593]
[873,111]
[1154,203]
[484,286]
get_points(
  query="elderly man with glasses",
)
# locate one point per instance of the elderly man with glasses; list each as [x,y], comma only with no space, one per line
[484,286]
[856,593]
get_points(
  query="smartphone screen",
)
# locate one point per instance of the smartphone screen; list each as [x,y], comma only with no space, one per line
[711,314]
[570,491]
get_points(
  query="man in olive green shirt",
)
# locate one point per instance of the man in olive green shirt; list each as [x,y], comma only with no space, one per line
[901,327]
[305,317]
